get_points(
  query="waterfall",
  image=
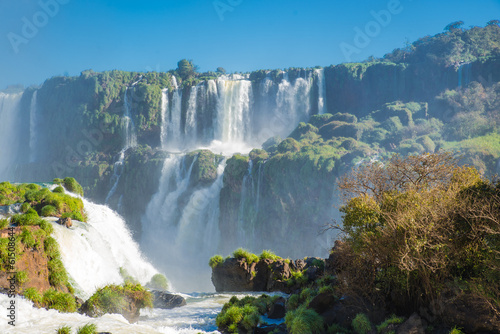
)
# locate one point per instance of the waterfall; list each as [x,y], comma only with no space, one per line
[321,90]
[233,110]
[294,101]
[180,227]
[130,135]
[164,110]
[464,75]
[95,252]
[33,127]
[130,142]
[10,132]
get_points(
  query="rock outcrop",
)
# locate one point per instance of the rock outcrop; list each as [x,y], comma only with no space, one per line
[165,300]
[237,275]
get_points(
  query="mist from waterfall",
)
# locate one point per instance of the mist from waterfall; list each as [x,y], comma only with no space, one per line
[230,114]
[9,131]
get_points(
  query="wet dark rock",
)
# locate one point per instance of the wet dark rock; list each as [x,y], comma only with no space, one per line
[165,300]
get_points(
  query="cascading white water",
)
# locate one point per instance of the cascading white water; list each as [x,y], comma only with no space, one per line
[93,252]
[130,135]
[171,217]
[164,110]
[233,110]
[321,90]
[130,142]
[33,126]
[9,130]
[294,101]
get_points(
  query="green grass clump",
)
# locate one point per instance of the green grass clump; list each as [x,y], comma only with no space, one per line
[63,302]
[303,320]
[64,330]
[158,282]
[297,278]
[247,317]
[116,299]
[87,329]
[4,223]
[215,261]
[361,324]
[337,329]
[27,238]
[57,273]
[22,277]
[72,185]
[30,218]
[51,248]
[455,330]
[393,319]
[33,295]
[269,255]
[241,253]
[48,211]
[59,190]
[25,207]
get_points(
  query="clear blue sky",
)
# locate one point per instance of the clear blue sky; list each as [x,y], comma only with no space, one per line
[254,34]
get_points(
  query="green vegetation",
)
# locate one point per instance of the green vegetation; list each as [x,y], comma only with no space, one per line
[269,255]
[423,226]
[33,295]
[215,261]
[243,315]
[392,320]
[241,253]
[158,282]
[4,223]
[455,330]
[361,324]
[303,320]
[87,329]
[63,302]
[64,330]
[116,299]
[22,277]
[38,201]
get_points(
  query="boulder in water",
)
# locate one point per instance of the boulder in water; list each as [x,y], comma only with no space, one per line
[65,222]
[165,300]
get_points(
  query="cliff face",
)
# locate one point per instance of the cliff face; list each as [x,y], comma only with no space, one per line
[109,130]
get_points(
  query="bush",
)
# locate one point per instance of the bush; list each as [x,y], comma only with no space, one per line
[241,253]
[247,317]
[303,320]
[215,261]
[411,214]
[63,302]
[269,255]
[64,330]
[361,324]
[48,211]
[87,329]
[158,282]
